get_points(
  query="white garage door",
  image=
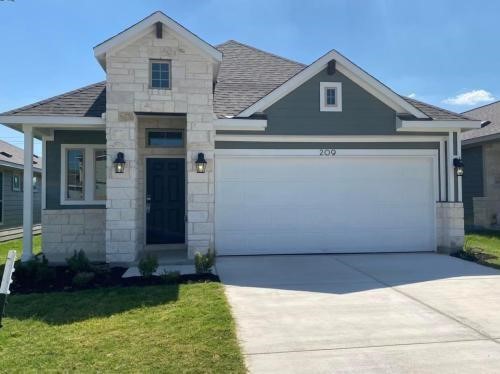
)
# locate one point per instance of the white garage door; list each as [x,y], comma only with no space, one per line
[304,203]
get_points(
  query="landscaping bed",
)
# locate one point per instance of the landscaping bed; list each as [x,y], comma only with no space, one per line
[482,247]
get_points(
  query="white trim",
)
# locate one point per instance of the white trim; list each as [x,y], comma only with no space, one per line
[41,121]
[323,106]
[347,68]
[436,125]
[459,155]
[89,176]
[240,124]
[44,173]
[329,138]
[143,26]
[18,166]
[451,169]
[28,194]
[442,169]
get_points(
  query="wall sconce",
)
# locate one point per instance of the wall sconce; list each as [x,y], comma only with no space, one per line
[459,166]
[119,163]
[201,163]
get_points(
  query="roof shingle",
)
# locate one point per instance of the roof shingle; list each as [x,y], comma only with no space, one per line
[489,112]
[14,155]
[434,112]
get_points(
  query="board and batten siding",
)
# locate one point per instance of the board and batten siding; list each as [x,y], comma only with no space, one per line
[473,180]
[12,201]
[53,164]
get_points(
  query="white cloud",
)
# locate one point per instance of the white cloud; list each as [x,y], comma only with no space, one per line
[473,97]
[413,95]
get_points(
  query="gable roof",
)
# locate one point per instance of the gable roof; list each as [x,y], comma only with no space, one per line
[489,112]
[12,156]
[144,26]
[246,75]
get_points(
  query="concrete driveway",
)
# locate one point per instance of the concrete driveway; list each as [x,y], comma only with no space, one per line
[375,313]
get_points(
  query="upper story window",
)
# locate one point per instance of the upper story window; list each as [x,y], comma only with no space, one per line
[160,74]
[330,96]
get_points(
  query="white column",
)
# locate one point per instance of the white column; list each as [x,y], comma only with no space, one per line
[28,194]
[451,169]
[442,170]
[459,155]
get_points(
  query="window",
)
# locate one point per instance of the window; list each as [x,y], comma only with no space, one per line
[1,198]
[160,74]
[83,174]
[36,183]
[165,139]
[16,182]
[330,98]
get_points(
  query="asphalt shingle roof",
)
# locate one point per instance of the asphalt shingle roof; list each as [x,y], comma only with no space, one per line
[15,155]
[246,75]
[489,112]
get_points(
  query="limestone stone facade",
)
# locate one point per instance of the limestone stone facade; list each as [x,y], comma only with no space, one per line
[128,92]
[69,230]
[450,226]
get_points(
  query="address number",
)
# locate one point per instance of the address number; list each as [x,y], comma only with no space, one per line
[327,152]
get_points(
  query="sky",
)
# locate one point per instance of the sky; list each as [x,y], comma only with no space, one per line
[442,52]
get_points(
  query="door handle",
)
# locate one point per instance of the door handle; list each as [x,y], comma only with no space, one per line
[148,204]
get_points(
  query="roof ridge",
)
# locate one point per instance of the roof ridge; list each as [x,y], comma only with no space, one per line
[436,107]
[50,99]
[261,51]
[482,106]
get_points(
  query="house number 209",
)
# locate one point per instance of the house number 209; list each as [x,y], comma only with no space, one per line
[327,152]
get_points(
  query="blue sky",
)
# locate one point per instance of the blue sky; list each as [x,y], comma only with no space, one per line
[444,52]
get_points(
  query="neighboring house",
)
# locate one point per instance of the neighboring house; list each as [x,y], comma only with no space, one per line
[481,154]
[11,191]
[240,150]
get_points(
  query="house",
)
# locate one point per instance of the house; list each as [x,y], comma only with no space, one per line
[187,146]
[11,191]
[481,154]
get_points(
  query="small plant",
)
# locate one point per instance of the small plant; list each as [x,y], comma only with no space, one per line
[148,266]
[204,262]
[35,273]
[83,279]
[79,262]
[170,277]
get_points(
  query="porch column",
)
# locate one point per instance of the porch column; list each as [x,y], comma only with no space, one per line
[451,169]
[28,194]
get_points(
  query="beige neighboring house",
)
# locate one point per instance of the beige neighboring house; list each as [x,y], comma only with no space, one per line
[481,181]
[11,191]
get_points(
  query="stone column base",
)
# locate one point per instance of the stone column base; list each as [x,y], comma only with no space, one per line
[450,227]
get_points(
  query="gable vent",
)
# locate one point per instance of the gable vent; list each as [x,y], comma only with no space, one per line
[5,154]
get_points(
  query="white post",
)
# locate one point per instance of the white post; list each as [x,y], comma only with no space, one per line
[28,194]
[459,155]
[451,169]
[442,170]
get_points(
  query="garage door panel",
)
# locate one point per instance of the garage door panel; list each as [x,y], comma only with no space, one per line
[303,205]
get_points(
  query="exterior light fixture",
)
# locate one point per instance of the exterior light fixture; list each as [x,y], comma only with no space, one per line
[201,163]
[459,166]
[119,163]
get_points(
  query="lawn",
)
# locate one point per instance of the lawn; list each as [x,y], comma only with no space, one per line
[485,245]
[17,244]
[171,329]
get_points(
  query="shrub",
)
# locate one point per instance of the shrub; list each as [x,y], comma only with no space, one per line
[204,262]
[35,273]
[170,277]
[148,266]
[79,262]
[83,279]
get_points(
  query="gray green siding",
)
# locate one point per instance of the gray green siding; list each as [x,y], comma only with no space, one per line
[12,201]
[472,180]
[53,162]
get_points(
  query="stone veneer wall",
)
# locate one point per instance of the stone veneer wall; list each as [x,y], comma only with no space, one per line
[128,92]
[68,230]
[450,226]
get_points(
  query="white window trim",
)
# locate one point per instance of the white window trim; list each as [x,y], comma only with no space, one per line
[160,61]
[323,107]
[89,182]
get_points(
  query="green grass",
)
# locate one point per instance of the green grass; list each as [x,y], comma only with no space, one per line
[169,329]
[17,244]
[487,246]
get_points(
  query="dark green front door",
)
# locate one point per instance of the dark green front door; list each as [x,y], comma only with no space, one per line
[165,200]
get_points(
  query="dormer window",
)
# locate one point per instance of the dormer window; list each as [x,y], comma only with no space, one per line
[330,99]
[160,73]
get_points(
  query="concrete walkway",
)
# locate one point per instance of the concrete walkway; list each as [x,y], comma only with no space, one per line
[376,313]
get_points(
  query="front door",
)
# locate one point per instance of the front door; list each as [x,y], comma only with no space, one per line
[165,200]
